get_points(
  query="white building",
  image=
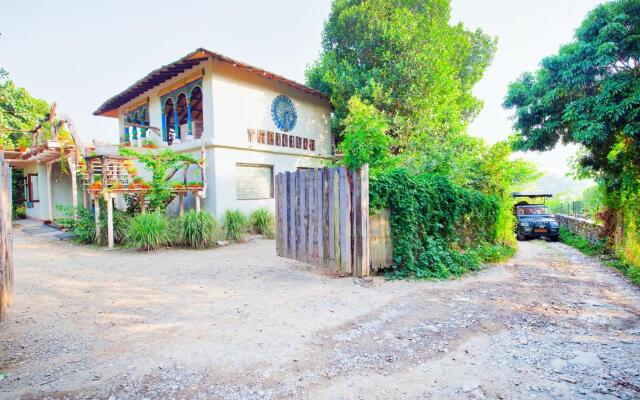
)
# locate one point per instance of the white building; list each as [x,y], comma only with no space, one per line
[253,124]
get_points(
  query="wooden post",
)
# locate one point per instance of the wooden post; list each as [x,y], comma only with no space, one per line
[96,215]
[74,184]
[143,203]
[181,203]
[197,201]
[109,200]
[85,199]
[49,166]
[6,239]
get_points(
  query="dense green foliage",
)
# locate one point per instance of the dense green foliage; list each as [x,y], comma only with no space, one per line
[589,94]
[159,163]
[81,223]
[436,225]
[365,137]
[19,111]
[262,222]
[149,231]
[197,230]
[400,79]
[402,57]
[235,225]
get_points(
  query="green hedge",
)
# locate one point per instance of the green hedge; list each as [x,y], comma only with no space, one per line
[439,229]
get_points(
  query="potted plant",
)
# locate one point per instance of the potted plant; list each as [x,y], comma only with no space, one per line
[127,163]
[23,143]
[117,186]
[144,185]
[97,183]
[194,185]
[149,144]
[133,171]
[177,185]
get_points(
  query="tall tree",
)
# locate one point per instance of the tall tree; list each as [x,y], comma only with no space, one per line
[19,111]
[589,94]
[402,57]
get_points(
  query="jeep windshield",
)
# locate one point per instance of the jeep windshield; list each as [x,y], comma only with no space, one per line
[532,210]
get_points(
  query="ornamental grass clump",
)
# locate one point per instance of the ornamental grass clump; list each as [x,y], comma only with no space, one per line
[262,222]
[148,231]
[235,225]
[197,230]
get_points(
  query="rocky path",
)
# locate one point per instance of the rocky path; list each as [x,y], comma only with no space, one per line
[551,323]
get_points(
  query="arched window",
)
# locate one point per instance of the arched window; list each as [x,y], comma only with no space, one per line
[126,138]
[168,121]
[183,116]
[195,101]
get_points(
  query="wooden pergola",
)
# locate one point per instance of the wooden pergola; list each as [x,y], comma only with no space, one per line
[49,152]
[112,170]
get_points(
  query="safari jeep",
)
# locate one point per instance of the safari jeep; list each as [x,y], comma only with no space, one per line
[534,220]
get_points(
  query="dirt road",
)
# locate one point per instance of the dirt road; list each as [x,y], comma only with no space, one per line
[241,323]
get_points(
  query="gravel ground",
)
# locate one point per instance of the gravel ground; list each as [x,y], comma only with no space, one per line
[240,323]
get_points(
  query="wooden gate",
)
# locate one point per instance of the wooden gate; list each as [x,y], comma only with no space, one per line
[6,240]
[322,218]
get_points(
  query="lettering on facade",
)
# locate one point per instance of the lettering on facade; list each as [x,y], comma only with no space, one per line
[278,139]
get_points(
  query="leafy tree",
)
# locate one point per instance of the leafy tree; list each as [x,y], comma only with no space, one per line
[19,111]
[365,140]
[499,175]
[402,57]
[589,94]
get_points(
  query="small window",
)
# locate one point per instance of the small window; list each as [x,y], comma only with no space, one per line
[32,188]
[254,181]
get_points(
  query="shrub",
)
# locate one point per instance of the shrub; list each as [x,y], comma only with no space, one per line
[494,252]
[20,212]
[262,222]
[197,230]
[82,227]
[121,222]
[235,225]
[582,243]
[435,224]
[148,231]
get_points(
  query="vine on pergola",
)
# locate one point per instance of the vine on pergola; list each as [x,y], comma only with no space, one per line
[160,163]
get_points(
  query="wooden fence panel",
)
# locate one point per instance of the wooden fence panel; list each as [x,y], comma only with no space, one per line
[380,247]
[323,218]
[6,239]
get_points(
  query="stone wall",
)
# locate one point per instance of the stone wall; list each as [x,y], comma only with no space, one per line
[586,228]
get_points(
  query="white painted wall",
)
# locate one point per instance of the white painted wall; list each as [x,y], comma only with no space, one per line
[60,191]
[234,101]
[243,100]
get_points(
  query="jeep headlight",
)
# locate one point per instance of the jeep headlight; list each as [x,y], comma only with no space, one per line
[524,224]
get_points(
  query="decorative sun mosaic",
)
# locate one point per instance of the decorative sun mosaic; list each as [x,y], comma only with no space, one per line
[284,113]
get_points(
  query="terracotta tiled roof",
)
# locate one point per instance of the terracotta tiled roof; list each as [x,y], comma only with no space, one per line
[192,59]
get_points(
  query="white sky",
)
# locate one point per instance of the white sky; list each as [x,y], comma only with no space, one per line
[527,31]
[79,53]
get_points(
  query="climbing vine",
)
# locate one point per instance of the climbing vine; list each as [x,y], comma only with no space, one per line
[159,163]
[439,229]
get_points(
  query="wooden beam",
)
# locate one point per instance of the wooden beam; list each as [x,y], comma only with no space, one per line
[49,167]
[96,205]
[74,184]
[109,199]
